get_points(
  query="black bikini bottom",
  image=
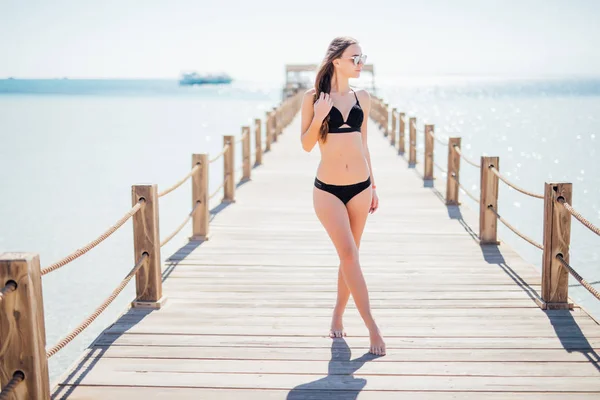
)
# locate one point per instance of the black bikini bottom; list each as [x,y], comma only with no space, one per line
[343,192]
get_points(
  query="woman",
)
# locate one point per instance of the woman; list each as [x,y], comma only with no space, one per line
[336,117]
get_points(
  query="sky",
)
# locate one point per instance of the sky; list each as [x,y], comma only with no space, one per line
[253,40]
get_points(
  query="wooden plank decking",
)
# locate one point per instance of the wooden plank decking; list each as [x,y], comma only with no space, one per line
[248,311]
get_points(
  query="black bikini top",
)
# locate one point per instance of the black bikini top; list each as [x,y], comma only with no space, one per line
[355,119]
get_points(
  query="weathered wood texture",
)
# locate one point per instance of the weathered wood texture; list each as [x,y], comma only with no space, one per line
[557,234]
[453,175]
[199,180]
[412,141]
[249,310]
[146,240]
[229,168]
[22,327]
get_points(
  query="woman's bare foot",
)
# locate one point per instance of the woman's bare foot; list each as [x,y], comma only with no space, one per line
[377,343]
[337,327]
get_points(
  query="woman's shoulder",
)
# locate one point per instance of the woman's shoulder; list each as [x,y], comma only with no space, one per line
[309,94]
[363,95]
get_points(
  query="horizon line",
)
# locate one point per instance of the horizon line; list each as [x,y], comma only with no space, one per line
[384,76]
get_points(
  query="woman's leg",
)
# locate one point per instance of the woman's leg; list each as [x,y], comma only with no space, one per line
[343,295]
[335,219]
[331,212]
[358,211]
[358,220]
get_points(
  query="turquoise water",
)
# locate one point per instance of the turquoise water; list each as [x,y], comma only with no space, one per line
[70,151]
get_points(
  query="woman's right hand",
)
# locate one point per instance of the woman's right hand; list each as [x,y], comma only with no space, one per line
[322,106]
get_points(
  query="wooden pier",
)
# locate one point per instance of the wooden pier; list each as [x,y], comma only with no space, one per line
[242,310]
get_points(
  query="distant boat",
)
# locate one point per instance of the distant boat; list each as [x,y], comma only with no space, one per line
[194,78]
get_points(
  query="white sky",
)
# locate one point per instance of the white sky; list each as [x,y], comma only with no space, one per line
[253,39]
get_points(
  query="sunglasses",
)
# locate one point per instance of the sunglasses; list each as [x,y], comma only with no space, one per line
[358,59]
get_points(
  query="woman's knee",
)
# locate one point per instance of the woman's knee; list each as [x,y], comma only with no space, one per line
[348,253]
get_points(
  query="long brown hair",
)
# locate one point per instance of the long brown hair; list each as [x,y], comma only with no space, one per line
[325,74]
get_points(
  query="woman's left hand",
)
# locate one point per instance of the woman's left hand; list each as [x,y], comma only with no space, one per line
[374,202]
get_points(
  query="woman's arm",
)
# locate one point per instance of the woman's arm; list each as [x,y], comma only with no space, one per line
[366,102]
[310,124]
[366,107]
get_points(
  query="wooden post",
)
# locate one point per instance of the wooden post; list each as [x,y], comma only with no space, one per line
[382,119]
[246,153]
[22,328]
[379,115]
[453,171]
[488,225]
[393,132]
[557,238]
[275,122]
[268,138]
[281,119]
[428,171]
[146,239]
[258,140]
[373,113]
[268,134]
[412,140]
[200,195]
[401,140]
[383,127]
[228,169]
[386,120]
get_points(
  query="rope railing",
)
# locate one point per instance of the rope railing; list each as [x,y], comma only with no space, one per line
[416,128]
[515,230]
[468,193]
[219,188]
[215,158]
[579,217]
[75,332]
[473,163]
[180,227]
[440,141]
[512,185]
[578,277]
[439,167]
[9,390]
[79,252]
[7,289]
[181,182]
[241,138]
